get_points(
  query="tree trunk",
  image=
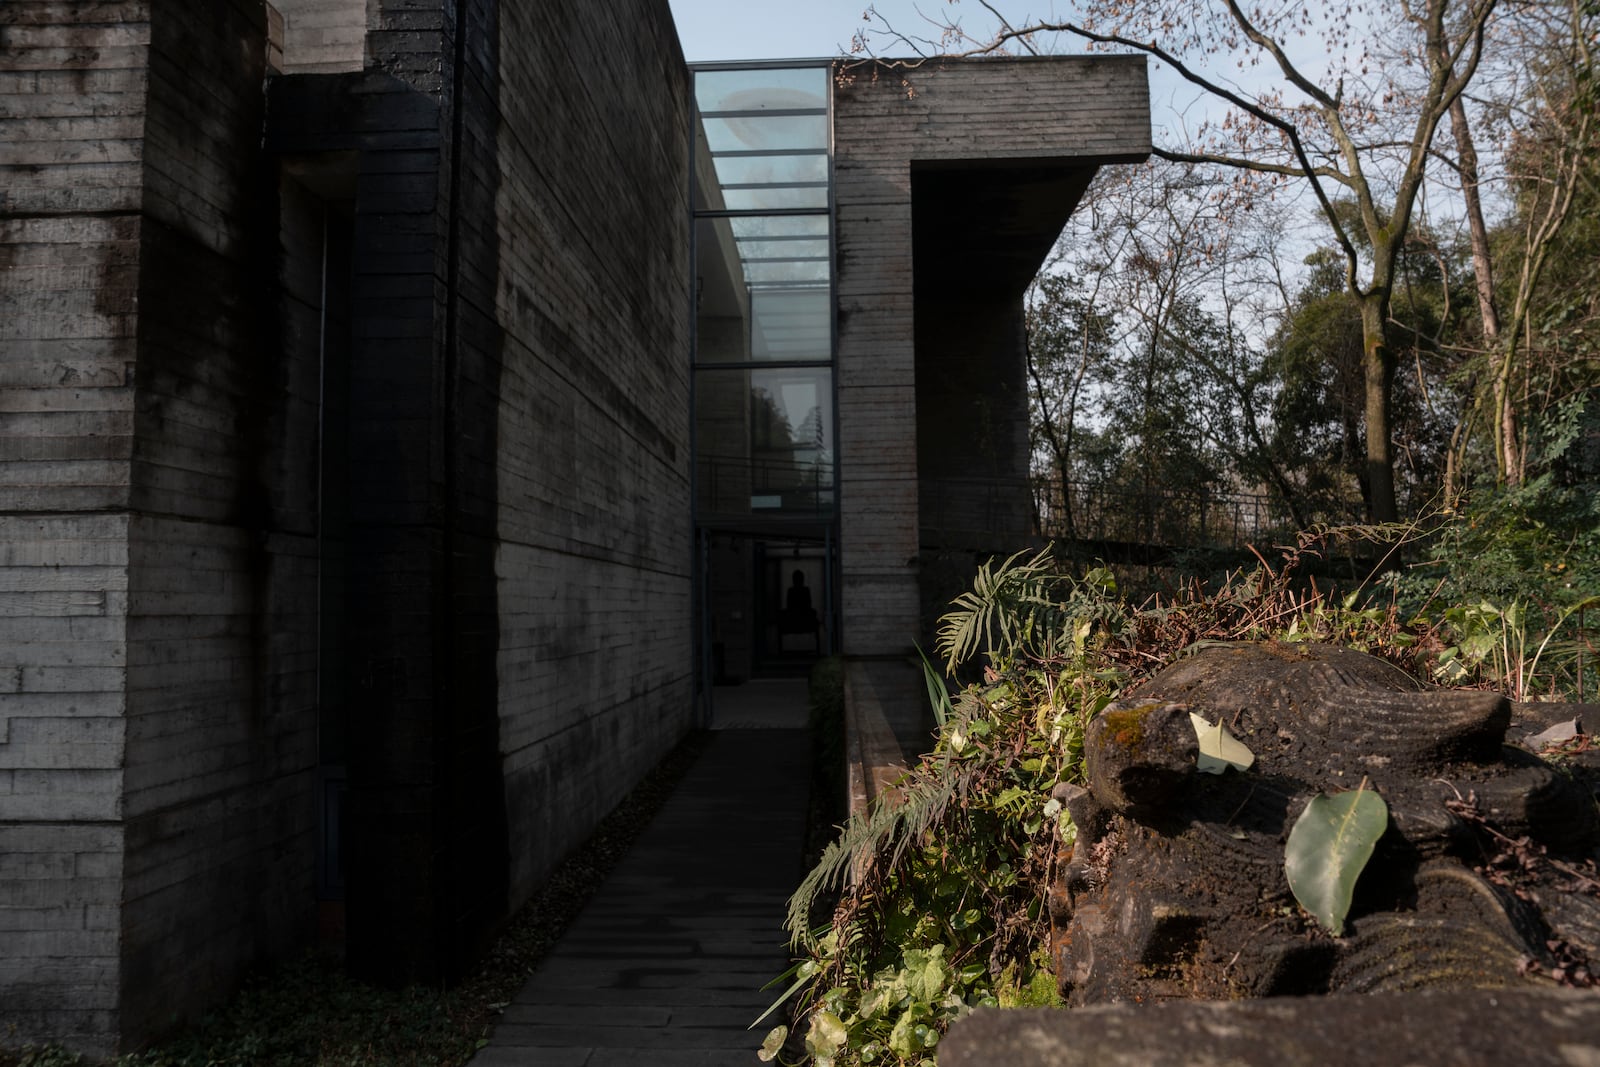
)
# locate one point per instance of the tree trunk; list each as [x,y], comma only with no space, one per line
[1504,427]
[1377,369]
[1060,451]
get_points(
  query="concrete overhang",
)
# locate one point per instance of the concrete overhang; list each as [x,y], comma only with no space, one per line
[996,151]
[1090,110]
[988,228]
[952,180]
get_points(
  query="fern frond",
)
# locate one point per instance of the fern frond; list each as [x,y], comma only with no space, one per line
[1000,609]
[876,839]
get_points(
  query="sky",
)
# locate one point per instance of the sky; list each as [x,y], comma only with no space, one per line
[713,30]
[780,29]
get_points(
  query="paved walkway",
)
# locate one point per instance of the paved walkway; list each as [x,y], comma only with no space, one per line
[664,967]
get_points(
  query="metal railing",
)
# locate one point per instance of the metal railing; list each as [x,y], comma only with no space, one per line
[785,485]
[1161,517]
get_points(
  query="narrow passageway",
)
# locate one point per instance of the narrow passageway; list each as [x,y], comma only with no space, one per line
[665,965]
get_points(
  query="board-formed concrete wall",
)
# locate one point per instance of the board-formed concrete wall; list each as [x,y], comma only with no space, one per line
[518,435]
[156,815]
[593,541]
[320,36]
[220,745]
[514,433]
[71,188]
[889,120]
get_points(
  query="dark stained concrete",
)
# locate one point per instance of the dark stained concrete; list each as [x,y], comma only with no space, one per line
[1531,1027]
[665,965]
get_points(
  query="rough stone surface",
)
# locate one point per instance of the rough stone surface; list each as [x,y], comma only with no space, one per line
[1463,1028]
[1175,886]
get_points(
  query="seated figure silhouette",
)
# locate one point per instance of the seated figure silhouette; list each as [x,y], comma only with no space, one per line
[798,615]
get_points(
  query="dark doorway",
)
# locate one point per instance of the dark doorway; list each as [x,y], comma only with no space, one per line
[757,620]
[793,591]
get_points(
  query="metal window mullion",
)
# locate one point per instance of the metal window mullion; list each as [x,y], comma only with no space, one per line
[756,213]
[767,113]
[750,153]
[725,186]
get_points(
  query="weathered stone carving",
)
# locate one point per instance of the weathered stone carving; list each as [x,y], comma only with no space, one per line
[1175,888]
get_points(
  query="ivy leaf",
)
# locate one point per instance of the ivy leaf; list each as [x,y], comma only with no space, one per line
[1329,847]
[773,1044]
[826,1036]
[1219,749]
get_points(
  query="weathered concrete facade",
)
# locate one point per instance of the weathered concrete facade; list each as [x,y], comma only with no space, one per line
[316,467]
[154,733]
[346,530]
[952,182]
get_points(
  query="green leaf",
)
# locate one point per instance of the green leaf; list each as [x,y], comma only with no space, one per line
[826,1036]
[903,1038]
[1328,848]
[1010,796]
[926,976]
[1219,749]
[872,1002]
[773,1044]
[938,695]
[803,973]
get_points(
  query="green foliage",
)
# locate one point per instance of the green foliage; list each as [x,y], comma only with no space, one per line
[1507,593]
[1328,848]
[938,692]
[34,1056]
[1027,610]
[1497,645]
[942,910]
[942,885]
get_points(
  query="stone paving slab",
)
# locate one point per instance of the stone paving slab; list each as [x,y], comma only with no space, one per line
[664,967]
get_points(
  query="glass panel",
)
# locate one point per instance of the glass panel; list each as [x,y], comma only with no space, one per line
[774,197]
[790,324]
[759,226]
[765,441]
[750,90]
[722,442]
[761,285]
[722,294]
[779,169]
[783,248]
[786,273]
[766,133]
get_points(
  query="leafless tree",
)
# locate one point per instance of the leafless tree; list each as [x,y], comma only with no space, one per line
[1330,116]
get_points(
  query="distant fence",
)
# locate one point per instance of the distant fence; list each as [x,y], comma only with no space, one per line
[1162,517]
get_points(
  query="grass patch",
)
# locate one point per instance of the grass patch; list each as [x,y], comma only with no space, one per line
[308,1011]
